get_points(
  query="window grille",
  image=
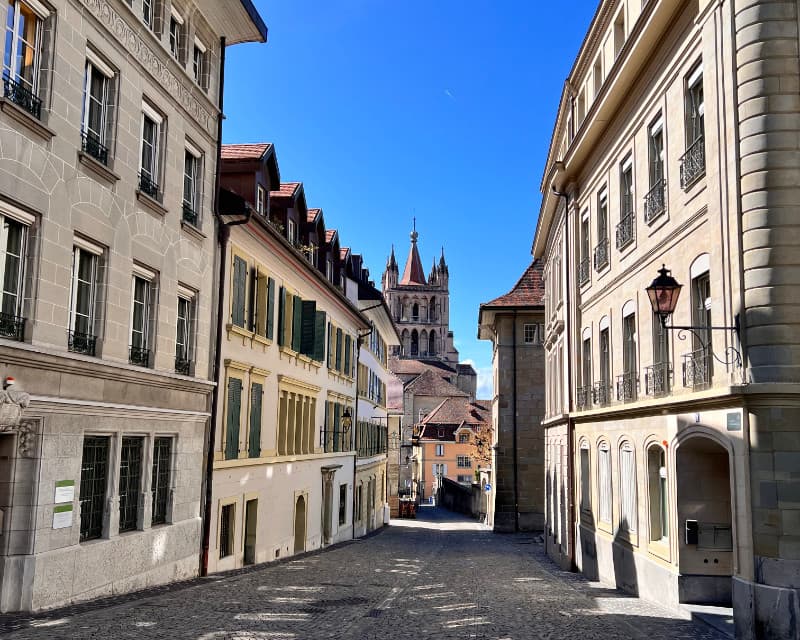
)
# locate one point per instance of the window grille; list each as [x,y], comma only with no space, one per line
[226,530]
[130,483]
[342,504]
[162,452]
[94,480]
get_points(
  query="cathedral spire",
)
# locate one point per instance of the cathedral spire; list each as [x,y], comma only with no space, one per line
[413,273]
[391,263]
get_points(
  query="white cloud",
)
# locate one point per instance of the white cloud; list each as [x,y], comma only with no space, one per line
[485,387]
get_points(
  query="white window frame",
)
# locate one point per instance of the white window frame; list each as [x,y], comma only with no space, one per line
[148,16]
[186,296]
[439,450]
[193,152]
[291,231]
[81,247]
[261,200]
[198,67]
[25,220]
[94,63]
[329,270]
[158,122]
[42,14]
[177,19]
[149,277]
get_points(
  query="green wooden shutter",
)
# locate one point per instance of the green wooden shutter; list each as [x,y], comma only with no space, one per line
[319,336]
[338,349]
[327,427]
[238,293]
[252,312]
[271,308]
[234,411]
[307,331]
[281,316]
[336,422]
[256,394]
[297,323]
[347,351]
[330,345]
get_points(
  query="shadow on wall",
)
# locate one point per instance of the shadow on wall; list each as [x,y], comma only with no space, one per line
[589,565]
[624,567]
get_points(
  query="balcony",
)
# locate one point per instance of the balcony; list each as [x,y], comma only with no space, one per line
[148,186]
[601,393]
[90,145]
[21,96]
[12,327]
[583,271]
[334,440]
[583,397]
[693,163]
[183,365]
[627,387]
[697,369]
[657,379]
[601,255]
[84,343]
[189,214]
[626,230]
[655,202]
[139,356]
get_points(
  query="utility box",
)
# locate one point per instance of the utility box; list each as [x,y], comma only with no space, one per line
[692,532]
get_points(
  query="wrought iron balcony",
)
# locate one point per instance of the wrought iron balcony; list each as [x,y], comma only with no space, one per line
[183,365]
[334,440]
[84,343]
[90,145]
[657,379]
[601,255]
[148,186]
[627,387]
[189,214]
[583,397]
[583,270]
[693,163]
[697,369]
[626,230]
[655,202]
[140,357]
[21,96]
[601,393]
[12,327]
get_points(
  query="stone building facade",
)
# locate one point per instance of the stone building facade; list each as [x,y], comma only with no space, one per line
[671,454]
[514,323]
[109,129]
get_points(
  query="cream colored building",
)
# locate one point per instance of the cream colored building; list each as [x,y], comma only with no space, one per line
[672,457]
[109,128]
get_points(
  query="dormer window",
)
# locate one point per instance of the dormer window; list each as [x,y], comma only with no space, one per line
[261,200]
[291,232]
[329,270]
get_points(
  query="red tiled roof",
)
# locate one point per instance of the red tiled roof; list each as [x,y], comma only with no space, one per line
[343,253]
[410,367]
[458,411]
[245,151]
[430,383]
[528,292]
[329,233]
[312,214]
[413,273]
[287,190]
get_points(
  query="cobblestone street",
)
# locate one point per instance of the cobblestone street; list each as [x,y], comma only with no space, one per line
[435,577]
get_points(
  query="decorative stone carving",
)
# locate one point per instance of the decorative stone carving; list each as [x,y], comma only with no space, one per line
[12,403]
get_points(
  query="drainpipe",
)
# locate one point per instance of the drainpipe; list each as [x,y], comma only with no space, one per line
[514,420]
[355,420]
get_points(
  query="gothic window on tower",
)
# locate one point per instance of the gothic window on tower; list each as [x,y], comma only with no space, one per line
[414,343]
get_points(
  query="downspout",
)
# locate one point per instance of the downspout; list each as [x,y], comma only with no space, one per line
[355,423]
[514,420]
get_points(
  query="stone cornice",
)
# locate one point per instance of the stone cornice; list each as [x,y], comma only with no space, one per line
[50,404]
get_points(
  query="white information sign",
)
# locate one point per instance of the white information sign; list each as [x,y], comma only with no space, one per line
[65,491]
[62,516]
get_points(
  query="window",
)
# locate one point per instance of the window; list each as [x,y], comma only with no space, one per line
[695,109]
[234,410]
[601,250]
[604,482]
[597,75]
[226,529]
[151,149]
[94,482]
[529,332]
[583,265]
[142,305]
[657,485]
[185,332]
[191,184]
[467,479]
[358,504]
[619,32]
[95,123]
[176,35]
[147,12]
[655,203]
[199,64]
[626,229]
[628,387]
[697,365]
[342,504]
[23,56]
[82,323]
[464,462]
[627,488]
[162,463]
[586,363]
[662,367]
[13,245]
[439,449]
[254,440]
[291,232]
[586,483]
[130,483]
[605,358]
[239,291]
[261,200]
[463,438]
[329,270]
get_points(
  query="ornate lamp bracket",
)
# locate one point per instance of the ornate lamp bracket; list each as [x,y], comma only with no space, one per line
[732,355]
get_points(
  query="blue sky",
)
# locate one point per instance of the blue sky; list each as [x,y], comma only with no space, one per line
[439,109]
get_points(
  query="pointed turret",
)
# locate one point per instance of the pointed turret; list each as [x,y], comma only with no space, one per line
[413,273]
[391,263]
[434,274]
[443,264]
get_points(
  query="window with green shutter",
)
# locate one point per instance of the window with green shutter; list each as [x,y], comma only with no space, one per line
[319,336]
[271,308]
[234,416]
[239,291]
[252,309]
[282,317]
[256,394]
[347,351]
[297,324]
[339,349]
[307,331]
[330,345]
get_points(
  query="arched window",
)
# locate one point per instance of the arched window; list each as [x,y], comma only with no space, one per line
[627,487]
[432,344]
[414,343]
[415,312]
[423,342]
[432,310]
[586,480]
[604,481]
[657,487]
[405,340]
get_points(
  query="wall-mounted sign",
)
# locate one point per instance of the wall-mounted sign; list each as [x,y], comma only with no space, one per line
[734,421]
[65,491]
[62,516]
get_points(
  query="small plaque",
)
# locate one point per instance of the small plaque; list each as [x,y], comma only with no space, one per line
[65,491]
[62,516]
[734,421]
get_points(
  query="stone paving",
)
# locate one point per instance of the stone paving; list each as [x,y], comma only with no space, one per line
[436,577]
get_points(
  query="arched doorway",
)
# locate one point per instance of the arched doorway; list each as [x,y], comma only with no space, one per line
[705,523]
[300,524]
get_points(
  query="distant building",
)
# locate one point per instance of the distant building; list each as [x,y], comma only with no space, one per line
[514,323]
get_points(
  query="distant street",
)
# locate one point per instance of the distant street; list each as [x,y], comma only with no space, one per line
[439,576]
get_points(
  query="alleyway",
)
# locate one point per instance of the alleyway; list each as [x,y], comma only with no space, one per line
[436,577]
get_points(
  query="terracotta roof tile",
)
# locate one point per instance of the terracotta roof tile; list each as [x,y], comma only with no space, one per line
[287,190]
[343,253]
[459,411]
[528,292]
[329,233]
[430,383]
[312,214]
[245,151]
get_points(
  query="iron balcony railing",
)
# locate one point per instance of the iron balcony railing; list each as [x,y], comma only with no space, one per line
[334,440]
[139,356]
[12,327]
[583,270]
[626,230]
[21,96]
[91,145]
[601,255]
[655,202]
[148,186]
[693,163]
[627,387]
[697,369]
[183,365]
[372,440]
[84,343]
[657,379]
[189,214]
[601,394]
[583,397]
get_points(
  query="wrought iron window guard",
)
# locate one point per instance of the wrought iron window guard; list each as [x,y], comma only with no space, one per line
[626,230]
[601,255]
[189,214]
[12,327]
[139,356]
[334,440]
[84,343]
[601,393]
[693,163]
[658,378]
[91,145]
[583,397]
[148,186]
[583,270]
[183,365]
[655,202]
[697,368]
[21,96]
[627,387]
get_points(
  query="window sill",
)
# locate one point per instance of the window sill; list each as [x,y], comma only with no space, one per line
[262,340]
[97,167]
[23,117]
[235,329]
[151,203]
[193,231]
